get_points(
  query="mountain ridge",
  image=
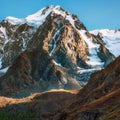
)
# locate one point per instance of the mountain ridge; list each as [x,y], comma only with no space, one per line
[65,41]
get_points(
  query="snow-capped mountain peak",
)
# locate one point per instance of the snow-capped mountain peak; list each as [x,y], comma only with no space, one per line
[39,17]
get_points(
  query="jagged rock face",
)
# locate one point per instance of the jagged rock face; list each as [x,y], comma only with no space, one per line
[72,48]
[64,40]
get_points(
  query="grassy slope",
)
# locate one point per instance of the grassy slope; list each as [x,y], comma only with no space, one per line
[29,107]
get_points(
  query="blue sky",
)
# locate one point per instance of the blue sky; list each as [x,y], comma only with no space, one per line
[95,14]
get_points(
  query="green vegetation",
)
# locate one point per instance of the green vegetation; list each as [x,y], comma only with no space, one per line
[19,116]
[113,114]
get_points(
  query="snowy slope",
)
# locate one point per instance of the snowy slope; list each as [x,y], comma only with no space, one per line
[94,60]
[39,17]
[111,39]
[15,21]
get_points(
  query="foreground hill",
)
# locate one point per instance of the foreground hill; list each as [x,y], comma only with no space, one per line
[98,100]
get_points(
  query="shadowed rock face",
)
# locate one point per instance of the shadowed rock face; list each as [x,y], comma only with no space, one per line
[35,71]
